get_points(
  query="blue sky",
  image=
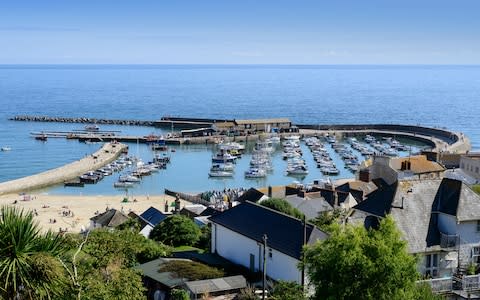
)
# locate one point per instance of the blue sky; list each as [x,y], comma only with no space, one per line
[240,32]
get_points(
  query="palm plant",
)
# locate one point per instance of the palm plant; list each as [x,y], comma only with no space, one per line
[29,259]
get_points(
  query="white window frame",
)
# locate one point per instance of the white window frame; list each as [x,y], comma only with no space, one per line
[476,254]
[431,265]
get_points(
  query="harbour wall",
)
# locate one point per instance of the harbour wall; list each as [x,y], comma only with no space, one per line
[26,118]
[451,141]
[105,155]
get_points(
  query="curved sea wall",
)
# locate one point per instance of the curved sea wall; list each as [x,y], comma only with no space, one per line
[442,134]
[108,153]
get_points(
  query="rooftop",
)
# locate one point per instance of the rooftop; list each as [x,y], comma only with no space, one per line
[110,218]
[419,164]
[153,216]
[263,121]
[217,284]
[285,233]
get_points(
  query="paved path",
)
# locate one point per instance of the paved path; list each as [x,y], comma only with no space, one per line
[108,153]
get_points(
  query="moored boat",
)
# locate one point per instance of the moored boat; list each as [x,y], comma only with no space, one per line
[220,174]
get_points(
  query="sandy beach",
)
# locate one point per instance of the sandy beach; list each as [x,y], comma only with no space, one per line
[74,212]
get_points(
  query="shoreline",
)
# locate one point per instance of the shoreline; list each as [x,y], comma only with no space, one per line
[73,213]
[106,154]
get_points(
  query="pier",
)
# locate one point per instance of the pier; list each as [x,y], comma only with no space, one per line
[108,153]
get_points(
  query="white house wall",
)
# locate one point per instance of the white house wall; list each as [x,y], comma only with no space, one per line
[237,248]
[468,232]
[146,230]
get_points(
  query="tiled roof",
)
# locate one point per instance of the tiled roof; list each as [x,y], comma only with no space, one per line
[284,233]
[419,164]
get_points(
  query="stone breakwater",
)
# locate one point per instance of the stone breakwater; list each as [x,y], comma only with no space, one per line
[27,118]
[108,153]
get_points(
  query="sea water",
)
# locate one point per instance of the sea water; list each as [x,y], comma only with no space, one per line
[437,96]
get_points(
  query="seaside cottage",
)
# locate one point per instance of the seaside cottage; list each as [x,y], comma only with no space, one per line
[109,219]
[237,235]
[148,220]
[440,220]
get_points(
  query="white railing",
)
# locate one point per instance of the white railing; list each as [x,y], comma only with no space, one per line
[439,285]
[471,282]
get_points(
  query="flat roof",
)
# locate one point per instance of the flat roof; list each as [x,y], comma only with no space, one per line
[263,121]
[217,284]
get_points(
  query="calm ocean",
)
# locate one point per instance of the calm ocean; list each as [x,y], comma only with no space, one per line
[441,96]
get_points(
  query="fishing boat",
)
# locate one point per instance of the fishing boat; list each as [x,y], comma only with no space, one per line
[90,177]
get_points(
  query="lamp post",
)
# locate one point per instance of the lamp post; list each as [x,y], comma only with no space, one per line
[264,238]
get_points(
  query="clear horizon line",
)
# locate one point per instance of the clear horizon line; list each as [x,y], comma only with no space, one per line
[236,64]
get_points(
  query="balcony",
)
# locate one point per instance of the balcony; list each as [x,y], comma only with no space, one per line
[439,285]
[449,241]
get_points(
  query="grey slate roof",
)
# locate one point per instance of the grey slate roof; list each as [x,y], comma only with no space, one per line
[252,195]
[285,233]
[469,206]
[110,218]
[310,207]
[216,285]
[379,202]
[415,220]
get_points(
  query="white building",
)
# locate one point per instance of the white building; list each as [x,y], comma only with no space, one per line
[237,235]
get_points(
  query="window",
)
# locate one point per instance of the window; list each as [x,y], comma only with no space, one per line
[476,170]
[431,265]
[478,226]
[270,253]
[476,254]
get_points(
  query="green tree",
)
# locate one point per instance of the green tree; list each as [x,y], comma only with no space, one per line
[355,263]
[476,188]
[179,294]
[176,230]
[204,242]
[325,219]
[101,265]
[30,265]
[283,206]
[287,290]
